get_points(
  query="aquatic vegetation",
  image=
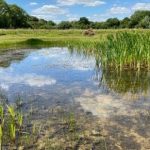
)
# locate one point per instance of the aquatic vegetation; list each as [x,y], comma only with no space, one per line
[1,125]
[10,125]
[71,122]
[125,81]
[1,135]
[12,132]
[20,120]
[125,50]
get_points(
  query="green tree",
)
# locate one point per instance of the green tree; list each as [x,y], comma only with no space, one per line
[64,25]
[145,22]
[125,23]
[137,17]
[84,23]
[33,22]
[113,23]
[5,18]
[19,17]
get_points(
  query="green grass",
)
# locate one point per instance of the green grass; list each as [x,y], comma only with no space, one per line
[119,49]
[19,37]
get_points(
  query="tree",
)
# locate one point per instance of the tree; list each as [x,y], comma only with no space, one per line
[125,23]
[113,23]
[137,17]
[33,22]
[84,23]
[145,22]
[64,25]
[51,23]
[19,17]
[5,18]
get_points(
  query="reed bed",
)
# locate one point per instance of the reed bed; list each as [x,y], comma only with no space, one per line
[126,50]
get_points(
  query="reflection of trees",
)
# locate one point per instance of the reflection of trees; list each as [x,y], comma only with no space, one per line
[126,81]
[118,81]
[7,58]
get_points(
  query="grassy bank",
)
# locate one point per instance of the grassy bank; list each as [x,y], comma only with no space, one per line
[23,37]
[17,38]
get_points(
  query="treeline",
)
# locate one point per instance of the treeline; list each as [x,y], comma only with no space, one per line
[12,16]
[140,19]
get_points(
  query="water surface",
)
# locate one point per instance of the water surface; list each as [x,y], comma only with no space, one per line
[57,76]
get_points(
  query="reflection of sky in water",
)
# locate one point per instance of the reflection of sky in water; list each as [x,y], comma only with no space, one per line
[46,68]
[56,75]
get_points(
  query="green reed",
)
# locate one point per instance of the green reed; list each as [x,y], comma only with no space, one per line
[119,50]
[126,50]
[11,123]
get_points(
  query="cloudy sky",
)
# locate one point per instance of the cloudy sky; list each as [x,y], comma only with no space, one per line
[96,10]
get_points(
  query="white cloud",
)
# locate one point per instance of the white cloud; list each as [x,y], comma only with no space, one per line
[141,6]
[33,3]
[4,86]
[91,3]
[49,10]
[114,12]
[32,80]
[119,10]
[72,17]
[46,17]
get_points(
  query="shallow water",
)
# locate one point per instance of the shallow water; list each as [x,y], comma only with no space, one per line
[47,72]
[57,76]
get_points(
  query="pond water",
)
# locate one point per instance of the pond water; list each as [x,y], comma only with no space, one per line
[52,76]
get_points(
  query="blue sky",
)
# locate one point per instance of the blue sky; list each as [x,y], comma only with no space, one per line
[95,10]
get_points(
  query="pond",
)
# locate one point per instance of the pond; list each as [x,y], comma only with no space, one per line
[58,81]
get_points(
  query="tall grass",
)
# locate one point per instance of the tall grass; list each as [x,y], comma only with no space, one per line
[126,50]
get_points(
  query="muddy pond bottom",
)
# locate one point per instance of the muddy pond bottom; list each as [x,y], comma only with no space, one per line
[54,81]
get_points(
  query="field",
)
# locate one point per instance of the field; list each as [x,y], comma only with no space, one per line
[13,38]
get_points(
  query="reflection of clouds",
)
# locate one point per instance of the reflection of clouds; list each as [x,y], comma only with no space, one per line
[32,80]
[81,64]
[49,53]
[4,86]
[107,106]
[60,57]
[35,57]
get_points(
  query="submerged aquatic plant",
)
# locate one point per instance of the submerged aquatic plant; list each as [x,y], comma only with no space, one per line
[1,125]
[11,112]
[1,136]
[13,132]
[20,119]
[71,122]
